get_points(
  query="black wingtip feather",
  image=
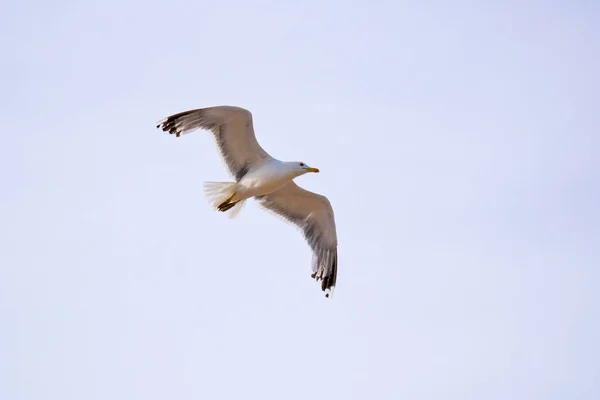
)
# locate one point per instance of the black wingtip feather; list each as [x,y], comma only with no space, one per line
[169,124]
[328,282]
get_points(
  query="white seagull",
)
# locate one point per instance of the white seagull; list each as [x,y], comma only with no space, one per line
[268,180]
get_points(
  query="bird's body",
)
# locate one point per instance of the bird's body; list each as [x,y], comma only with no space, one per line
[260,176]
[266,179]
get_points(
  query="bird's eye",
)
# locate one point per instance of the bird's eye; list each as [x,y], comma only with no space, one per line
[302,164]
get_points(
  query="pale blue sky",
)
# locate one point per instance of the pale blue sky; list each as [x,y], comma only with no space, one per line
[458,143]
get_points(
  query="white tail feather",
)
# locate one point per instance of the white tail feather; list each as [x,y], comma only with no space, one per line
[219,192]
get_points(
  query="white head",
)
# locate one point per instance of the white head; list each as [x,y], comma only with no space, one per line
[300,168]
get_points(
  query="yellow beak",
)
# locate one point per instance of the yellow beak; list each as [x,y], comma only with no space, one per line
[312,169]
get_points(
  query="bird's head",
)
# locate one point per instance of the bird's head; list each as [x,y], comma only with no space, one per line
[301,168]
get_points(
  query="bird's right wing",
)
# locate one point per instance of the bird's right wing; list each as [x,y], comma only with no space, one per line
[233,130]
[314,215]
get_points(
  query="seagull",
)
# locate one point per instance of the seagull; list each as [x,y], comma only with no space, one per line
[269,181]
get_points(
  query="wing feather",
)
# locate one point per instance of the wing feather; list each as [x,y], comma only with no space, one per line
[313,214]
[233,130]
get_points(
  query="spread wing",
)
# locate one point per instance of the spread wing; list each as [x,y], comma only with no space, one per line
[314,215]
[233,130]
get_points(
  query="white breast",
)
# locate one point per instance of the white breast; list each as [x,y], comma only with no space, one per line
[267,179]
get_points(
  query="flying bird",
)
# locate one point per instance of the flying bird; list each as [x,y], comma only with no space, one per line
[268,180]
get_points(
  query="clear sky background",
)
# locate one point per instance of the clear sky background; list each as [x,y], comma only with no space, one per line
[458,143]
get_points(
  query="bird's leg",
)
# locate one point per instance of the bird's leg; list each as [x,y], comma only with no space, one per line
[226,205]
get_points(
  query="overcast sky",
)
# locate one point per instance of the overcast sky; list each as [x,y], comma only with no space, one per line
[457,141]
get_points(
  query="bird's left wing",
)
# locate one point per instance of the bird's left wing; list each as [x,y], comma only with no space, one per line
[233,130]
[314,215]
